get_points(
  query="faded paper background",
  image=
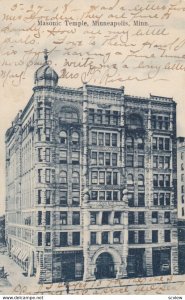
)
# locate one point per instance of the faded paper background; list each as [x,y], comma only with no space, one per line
[142,47]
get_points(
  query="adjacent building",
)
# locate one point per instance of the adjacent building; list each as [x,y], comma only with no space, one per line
[91,183]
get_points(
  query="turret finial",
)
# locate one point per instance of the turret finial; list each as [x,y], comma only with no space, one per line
[46,55]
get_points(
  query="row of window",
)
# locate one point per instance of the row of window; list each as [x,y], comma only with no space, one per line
[161,162]
[74,138]
[159,199]
[104,158]
[160,143]
[102,177]
[105,237]
[63,198]
[104,139]
[105,218]
[139,236]
[43,113]
[139,180]
[75,179]
[105,195]
[106,117]
[132,143]
[63,239]
[75,218]
[161,180]
[140,217]
[131,162]
[75,157]
[160,122]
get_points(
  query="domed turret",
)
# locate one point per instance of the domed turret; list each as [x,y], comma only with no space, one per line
[45,75]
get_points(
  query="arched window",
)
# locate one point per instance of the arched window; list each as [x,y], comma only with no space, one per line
[140,144]
[135,120]
[129,142]
[63,137]
[130,179]
[75,178]
[75,138]
[69,115]
[182,167]
[63,177]
[140,179]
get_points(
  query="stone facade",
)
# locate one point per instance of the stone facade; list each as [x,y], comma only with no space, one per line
[91,183]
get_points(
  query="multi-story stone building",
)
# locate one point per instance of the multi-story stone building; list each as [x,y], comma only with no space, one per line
[91,183]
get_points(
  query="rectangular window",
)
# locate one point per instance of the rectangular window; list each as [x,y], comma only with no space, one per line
[109,178]
[167,144]
[130,161]
[161,147]
[48,238]
[101,196]
[141,217]
[48,197]
[161,199]
[75,158]
[101,177]
[76,218]
[40,113]
[105,218]
[167,180]
[141,199]
[94,195]
[39,196]
[141,237]
[131,199]
[39,175]
[155,199]
[48,175]
[154,236]
[76,238]
[39,217]
[115,195]
[167,198]
[63,157]
[39,238]
[39,154]
[93,216]
[117,217]
[93,238]
[161,180]
[140,161]
[39,132]
[131,237]
[101,158]
[114,140]
[167,162]
[91,115]
[47,155]
[117,237]
[75,198]
[167,217]
[167,236]
[107,159]
[48,113]
[107,117]
[108,195]
[131,217]
[63,217]
[63,239]
[115,178]
[94,177]
[99,116]
[94,138]
[101,139]
[154,217]
[94,158]
[48,134]
[114,159]
[161,162]
[115,117]
[107,139]
[105,237]
[155,162]
[154,123]
[48,217]
[154,143]
[63,198]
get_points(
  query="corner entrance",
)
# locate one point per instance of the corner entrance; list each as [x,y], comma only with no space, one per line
[104,266]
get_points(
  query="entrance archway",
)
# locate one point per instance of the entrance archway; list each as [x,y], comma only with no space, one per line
[105,266]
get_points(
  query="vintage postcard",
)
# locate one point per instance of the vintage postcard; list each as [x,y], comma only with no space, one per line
[92,147]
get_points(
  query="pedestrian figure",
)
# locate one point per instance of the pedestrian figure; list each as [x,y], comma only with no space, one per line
[67,287]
